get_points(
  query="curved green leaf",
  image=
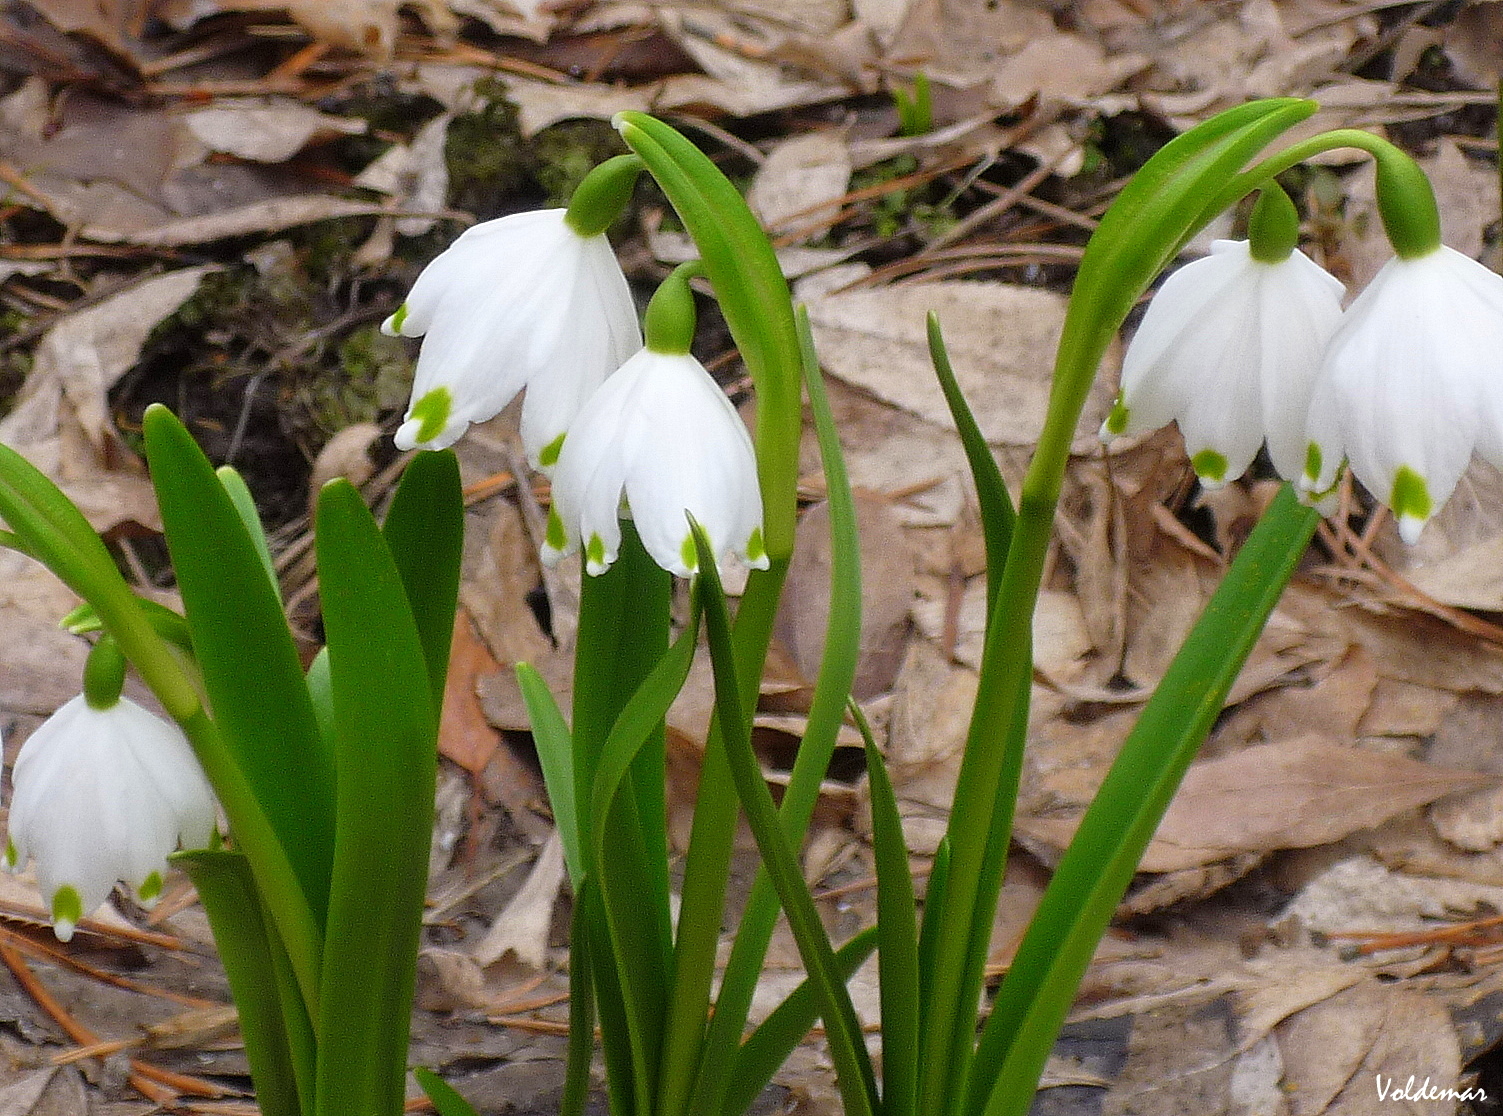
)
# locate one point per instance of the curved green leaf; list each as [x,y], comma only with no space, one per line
[853,1068]
[1094,873]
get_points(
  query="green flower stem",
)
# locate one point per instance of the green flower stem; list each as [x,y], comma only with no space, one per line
[668,325]
[1406,201]
[603,195]
[837,669]
[1095,871]
[743,269]
[1155,214]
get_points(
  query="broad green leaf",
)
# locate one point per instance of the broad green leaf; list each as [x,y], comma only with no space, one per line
[550,733]
[641,969]
[832,689]
[446,1099]
[1094,873]
[425,529]
[246,653]
[386,752]
[273,1024]
[623,633]
[245,507]
[853,1068]
[777,1036]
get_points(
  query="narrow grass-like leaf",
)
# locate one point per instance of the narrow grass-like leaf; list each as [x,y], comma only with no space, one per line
[777,1036]
[446,1099]
[270,1025]
[995,505]
[1137,236]
[386,750]
[581,1049]
[897,935]
[934,895]
[853,1068]
[246,653]
[555,746]
[425,529]
[837,669]
[1097,867]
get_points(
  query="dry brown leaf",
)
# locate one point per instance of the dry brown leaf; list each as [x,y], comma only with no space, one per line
[1001,340]
[799,180]
[269,216]
[41,666]
[1291,794]
[1356,1053]
[886,593]
[265,130]
[523,927]
[1471,736]
[61,418]
[465,736]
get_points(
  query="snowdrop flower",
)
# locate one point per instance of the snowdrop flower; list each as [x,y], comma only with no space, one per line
[104,795]
[662,432]
[1229,347]
[1412,383]
[521,301]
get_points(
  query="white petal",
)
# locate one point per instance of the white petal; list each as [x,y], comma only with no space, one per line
[664,431]
[523,301]
[105,795]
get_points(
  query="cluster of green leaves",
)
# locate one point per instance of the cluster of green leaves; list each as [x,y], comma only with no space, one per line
[667,1048]
[326,775]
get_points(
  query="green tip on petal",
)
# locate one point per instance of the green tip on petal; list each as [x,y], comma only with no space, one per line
[555,535]
[395,324]
[1410,501]
[12,858]
[150,890]
[549,455]
[1314,459]
[1210,466]
[432,413]
[688,555]
[1116,422]
[595,554]
[756,549]
[67,910]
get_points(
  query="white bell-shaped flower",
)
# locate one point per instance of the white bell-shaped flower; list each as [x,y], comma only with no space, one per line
[1412,383]
[1229,348]
[104,795]
[523,301]
[661,432]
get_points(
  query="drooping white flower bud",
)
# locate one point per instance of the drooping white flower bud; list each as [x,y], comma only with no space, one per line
[104,795]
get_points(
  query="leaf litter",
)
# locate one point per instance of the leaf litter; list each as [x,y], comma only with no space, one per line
[217,202]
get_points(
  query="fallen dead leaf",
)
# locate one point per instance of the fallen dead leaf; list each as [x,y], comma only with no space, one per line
[1001,340]
[523,927]
[466,737]
[799,180]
